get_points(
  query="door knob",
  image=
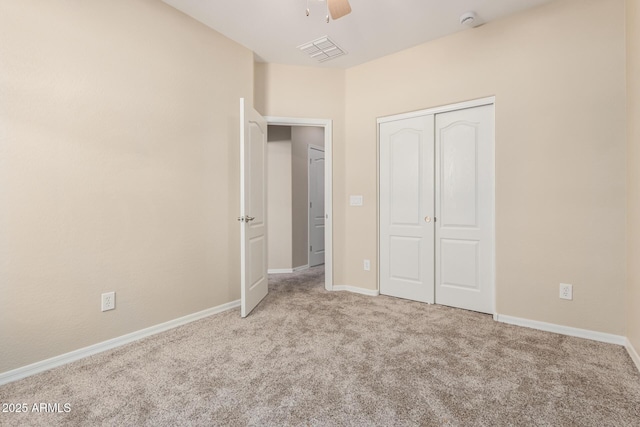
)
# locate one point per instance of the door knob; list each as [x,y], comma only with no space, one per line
[427,219]
[246,218]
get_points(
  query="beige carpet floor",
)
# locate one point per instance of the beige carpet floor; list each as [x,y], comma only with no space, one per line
[315,358]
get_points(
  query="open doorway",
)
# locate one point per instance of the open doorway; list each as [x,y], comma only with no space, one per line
[299,195]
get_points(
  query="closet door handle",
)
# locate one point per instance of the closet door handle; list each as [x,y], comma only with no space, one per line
[427,219]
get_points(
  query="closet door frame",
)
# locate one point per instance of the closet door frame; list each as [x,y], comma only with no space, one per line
[436,110]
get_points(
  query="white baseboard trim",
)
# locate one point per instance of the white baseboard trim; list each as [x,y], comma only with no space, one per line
[355,290]
[280,271]
[563,330]
[633,353]
[287,270]
[63,359]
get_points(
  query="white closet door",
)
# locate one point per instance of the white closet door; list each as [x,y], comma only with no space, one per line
[406,208]
[464,209]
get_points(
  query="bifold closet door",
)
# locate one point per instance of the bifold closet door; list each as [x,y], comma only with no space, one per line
[464,208]
[407,208]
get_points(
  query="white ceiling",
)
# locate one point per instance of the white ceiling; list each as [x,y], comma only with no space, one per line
[274,28]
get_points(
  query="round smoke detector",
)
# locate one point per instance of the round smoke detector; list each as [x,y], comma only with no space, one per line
[468,19]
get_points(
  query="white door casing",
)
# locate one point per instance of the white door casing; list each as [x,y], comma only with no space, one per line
[464,208]
[327,125]
[316,205]
[253,208]
[406,208]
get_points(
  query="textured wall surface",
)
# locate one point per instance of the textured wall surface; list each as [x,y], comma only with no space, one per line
[279,203]
[302,137]
[316,93]
[118,171]
[119,161]
[558,75]
[633,173]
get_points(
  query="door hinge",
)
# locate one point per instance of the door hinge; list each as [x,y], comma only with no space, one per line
[310,248]
[310,204]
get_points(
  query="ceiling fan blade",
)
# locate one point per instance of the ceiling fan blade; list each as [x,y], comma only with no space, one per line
[338,8]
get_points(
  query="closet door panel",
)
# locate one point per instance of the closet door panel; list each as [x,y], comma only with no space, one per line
[406,208]
[464,234]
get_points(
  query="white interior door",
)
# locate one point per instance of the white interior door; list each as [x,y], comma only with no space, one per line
[316,206]
[406,208]
[253,207]
[464,208]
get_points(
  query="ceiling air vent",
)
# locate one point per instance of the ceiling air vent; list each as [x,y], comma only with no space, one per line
[322,49]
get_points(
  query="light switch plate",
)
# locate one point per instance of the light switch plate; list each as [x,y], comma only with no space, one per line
[355,200]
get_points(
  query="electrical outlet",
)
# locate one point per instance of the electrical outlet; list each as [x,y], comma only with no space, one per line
[367,265]
[108,301]
[566,291]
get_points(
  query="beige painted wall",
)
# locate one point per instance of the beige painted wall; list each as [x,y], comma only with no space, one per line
[304,92]
[279,198]
[118,171]
[633,170]
[302,137]
[288,193]
[558,75]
